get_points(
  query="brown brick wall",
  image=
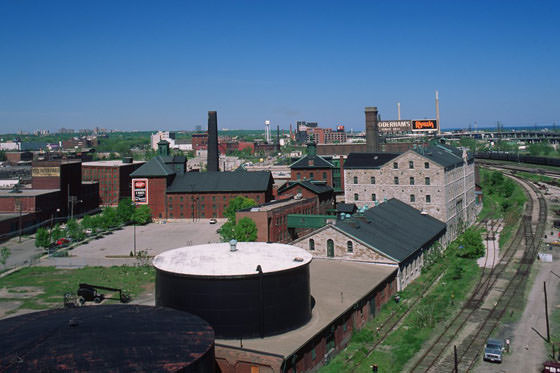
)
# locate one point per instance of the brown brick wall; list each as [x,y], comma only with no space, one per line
[318,174]
[204,205]
[272,225]
[115,183]
[156,196]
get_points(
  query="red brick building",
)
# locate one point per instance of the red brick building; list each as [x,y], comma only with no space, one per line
[312,167]
[199,141]
[16,157]
[27,207]
[174,194]
[271,218]
[323,193]
[360,289]
[114,178]
[64,175]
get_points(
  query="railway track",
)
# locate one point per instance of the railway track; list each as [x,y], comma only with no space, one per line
[437,357]
[392,322]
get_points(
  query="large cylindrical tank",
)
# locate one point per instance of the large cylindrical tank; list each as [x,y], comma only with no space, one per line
[256,291]
[115,338]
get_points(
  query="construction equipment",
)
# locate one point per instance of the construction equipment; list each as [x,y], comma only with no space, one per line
[88,292]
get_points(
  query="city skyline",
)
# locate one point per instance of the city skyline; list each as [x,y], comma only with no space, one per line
[147,67]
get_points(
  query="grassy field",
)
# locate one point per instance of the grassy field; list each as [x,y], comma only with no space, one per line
[440,303]
[503,199]
[41,288]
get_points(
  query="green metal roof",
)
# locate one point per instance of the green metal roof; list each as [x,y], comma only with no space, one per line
[154,167]
[311,162]
[319,187]
[393,228]
[308,221]
[235,181]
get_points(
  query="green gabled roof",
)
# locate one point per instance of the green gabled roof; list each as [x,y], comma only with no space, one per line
[315,187]
[447,156]
[310,162]
[393,228]
[153,168]
[235,181]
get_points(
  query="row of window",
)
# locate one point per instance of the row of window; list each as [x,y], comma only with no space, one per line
[311,175]
[410,165]
[395,180]
[201,198]
[330,246]
[412,197]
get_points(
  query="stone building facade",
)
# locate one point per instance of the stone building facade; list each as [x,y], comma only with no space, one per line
[437,180]
[383,235]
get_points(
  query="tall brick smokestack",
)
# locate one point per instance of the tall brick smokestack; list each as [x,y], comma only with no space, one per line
[277,138]
[212,141]
[372,135]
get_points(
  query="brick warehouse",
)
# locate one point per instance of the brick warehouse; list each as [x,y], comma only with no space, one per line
[312,167]
[66,176]
[341,308]
[271,218]
[172,193]
[114,178]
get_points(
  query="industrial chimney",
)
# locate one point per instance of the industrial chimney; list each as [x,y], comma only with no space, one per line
[213,142]
[372,135]
[278,138]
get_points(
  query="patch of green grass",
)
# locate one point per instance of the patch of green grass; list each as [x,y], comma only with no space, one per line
[500,201]
[434,309]
[54,283]
[536,177]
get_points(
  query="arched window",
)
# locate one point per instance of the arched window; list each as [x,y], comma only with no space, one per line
[350,246]
[312,244]
[330,248]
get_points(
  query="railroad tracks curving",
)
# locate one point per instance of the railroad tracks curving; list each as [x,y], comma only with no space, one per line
[437,357]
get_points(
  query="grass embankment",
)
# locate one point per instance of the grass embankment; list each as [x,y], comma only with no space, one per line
[503,199]
[416,328]
[536,177]
[41,288]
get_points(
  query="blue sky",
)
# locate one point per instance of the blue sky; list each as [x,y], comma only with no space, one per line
[136,65]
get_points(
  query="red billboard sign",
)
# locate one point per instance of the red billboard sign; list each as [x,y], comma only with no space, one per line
[424,125]
[140,191]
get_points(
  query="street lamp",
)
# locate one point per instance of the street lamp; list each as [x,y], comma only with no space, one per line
[134,227]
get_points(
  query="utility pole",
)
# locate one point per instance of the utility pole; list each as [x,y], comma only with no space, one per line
[20,208]
[456,370]
[546,314]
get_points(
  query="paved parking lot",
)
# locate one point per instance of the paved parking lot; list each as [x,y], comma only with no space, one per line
[115,248]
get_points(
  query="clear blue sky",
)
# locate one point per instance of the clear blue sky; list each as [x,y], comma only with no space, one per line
[164,64]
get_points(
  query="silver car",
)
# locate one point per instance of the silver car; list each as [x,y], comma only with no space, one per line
[493,350]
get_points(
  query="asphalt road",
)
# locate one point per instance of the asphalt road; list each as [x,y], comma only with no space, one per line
[115,248]
[21,253]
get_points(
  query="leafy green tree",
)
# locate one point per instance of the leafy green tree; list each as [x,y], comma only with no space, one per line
[87,222]
[142,215]
[56,233]
[42,238]
[110,218]
[226,231]
[470,244]
[97,222]
[74,230]
[4,255]
[236,204]
[245,230]
[125,210]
